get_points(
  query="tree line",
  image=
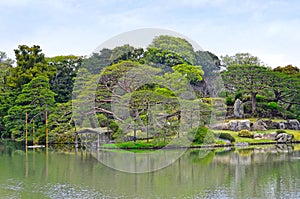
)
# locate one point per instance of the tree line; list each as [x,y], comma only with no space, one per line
[99,86]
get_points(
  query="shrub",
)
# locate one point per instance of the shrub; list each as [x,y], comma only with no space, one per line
[245,133]
[201,135]
[227,136]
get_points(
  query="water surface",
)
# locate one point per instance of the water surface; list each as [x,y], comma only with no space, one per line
[258,172]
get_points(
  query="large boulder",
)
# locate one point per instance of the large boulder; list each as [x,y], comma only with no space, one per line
[281,125]
[284,137]
[221,126]
[237,125]
[293,124]
[267,136]
[259,125]
[238,109]
[271,124]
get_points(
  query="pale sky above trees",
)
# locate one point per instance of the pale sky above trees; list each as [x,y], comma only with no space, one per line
[267,29]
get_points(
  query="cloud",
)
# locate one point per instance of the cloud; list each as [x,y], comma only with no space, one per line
[221,26]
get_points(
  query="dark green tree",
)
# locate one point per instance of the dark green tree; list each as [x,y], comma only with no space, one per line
[176,45]
[30,64]
[36,98]
[66,69]
[245,74]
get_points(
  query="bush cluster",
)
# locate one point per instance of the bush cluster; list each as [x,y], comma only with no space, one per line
[245,133]
[201,135]
[226,136]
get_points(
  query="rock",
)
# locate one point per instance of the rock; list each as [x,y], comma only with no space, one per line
[271,124]
[281,125]
[284,137]
[272,135]
[238,109]
[237,125]
[259,125]
[222,126]
[293,124]
[257,135]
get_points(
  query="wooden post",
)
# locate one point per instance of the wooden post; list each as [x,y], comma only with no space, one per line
[147,130]
[33,132]
[46,129]
[26,131]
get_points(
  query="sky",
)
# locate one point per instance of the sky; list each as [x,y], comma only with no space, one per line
[269,29]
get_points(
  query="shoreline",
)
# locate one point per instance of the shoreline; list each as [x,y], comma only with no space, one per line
[246,144]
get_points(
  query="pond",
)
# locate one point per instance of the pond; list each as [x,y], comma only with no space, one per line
[256,172]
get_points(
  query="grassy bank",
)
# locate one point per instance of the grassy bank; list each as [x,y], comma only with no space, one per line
[155,144]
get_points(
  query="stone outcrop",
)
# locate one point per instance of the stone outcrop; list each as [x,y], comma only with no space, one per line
[281,125]
[271,124]
[293,124]
[270,136]
[279,137]
[238,109]
[259,125]
[284,137]
[222,126]
[237,125]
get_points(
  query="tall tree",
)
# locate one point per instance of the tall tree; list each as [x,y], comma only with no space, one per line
[5,67]
[176,45]
[30,64]
[209,62]
[245,74]
[62,82]
[36,98]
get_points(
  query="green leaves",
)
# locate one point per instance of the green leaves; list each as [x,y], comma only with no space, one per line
[176,45]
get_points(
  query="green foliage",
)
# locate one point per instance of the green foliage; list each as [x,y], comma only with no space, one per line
[66,70]
[273,105]
[246,74]
[229,101]
[245,133]
[289,69]
[261,98]
[238,96]
[192,73]
[241,59]
[36,98]
[201,135]
[30,64]
[175,44]
[209,62]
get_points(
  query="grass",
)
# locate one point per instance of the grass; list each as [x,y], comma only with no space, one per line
[138,145]
[154,144]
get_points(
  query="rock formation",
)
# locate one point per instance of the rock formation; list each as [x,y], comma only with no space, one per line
[259,125]
[238,109]
[237,125]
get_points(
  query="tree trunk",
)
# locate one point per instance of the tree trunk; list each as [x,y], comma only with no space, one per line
[253,96]
[288,108]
